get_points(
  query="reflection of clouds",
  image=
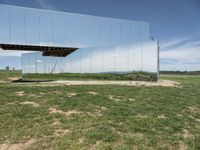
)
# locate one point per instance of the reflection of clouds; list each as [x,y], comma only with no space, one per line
[118,58]
[184,56]
[45,4]
[5,53]
[173,42]
[30,66]
[39,61]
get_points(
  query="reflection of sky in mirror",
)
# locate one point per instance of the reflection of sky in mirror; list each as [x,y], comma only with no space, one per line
[120,58]
[38,27]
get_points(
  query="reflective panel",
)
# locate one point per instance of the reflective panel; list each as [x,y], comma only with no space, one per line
[104,44]
[32,28]
[43,27]
[106,59]
[4,25]
[17,26]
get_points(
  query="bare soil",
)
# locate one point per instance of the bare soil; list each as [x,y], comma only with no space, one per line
[18,146]
[163,83]
[30,103]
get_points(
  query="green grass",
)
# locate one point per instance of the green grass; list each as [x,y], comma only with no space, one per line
[137,117]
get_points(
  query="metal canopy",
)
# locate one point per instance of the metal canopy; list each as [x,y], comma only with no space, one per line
[47,50]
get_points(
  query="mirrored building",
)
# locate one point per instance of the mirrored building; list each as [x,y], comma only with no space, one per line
[74,43]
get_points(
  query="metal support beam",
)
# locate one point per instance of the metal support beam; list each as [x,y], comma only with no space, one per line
[158,62]
[47,50]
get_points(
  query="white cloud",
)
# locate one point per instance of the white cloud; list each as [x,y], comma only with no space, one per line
[6,53]
[185,56]
[173,42]
[45,4]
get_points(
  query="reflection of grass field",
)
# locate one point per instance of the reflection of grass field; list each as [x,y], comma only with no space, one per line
[66,76]
[100,117]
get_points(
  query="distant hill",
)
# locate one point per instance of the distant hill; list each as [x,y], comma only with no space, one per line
[181,72]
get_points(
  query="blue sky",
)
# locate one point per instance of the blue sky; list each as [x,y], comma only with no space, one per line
[175,23]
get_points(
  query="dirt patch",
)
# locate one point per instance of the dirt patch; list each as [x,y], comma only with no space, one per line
[182,146]
[2,81]
[198,120]
[11,103]
[162,116]
[14,78]
[61,132]
[165,145]
[94,146]
[68,113]
[179,115]
[115,98]
[40,93]
[98,111]
[71,94]
[141,116]
[56,92]
[34,95]
[164,83]
[186,133]
[20,93]
[131,99]
[56,122]
[81,140]
[18,146]
[30,103]
[92,93]
[194,109]
[101,108]
[136,134]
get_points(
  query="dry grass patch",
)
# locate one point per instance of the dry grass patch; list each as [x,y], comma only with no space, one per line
[164,145]
[11,103]
[94,146]
[81,140]
[194,109]
[30,103]
[68,113]
[182,146]
[179,115]
[98,111]
[198,120]
[56,92]
[18,146]
[61,132]
[71,94]
[92,93]
[2,81]
[139,115]
[34,95]
[115,98]
[131,99]
[186,133]
[20,93]
[56,122]
[162,116]
[14,78]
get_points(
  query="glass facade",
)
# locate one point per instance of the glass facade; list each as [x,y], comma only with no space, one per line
[104,44]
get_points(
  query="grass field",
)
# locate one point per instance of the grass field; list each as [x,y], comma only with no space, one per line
[100,117]
[135,76]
